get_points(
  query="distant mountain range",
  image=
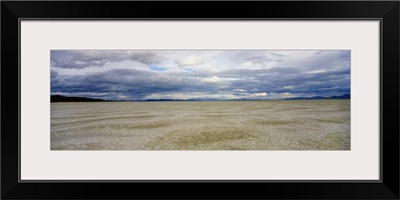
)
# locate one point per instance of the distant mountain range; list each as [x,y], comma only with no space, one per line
[345,96]
[59,98]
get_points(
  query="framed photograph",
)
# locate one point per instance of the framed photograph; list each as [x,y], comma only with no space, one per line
[299,96]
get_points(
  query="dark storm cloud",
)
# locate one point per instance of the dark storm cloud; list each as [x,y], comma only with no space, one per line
[281,80]
[135,83]
[53,74]
[313,74]
[86,58]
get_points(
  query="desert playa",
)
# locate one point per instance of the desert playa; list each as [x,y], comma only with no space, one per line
[202,125]
[222,99]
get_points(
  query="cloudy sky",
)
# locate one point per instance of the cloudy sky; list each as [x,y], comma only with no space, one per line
[199,74]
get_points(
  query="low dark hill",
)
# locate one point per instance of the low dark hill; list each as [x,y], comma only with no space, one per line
[59,98]
[345,96]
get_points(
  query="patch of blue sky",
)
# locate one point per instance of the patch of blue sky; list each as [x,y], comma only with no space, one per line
[157,68]
[236,74]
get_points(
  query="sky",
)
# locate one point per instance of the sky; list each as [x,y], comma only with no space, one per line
[199,74]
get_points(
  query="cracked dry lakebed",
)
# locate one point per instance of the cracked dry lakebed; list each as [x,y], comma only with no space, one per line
[202,125]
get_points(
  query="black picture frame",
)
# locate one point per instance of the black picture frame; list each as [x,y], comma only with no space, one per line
[386,11]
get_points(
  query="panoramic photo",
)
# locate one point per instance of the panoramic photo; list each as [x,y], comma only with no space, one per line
[200,100]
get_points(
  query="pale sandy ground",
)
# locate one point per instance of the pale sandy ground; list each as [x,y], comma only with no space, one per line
[213,125]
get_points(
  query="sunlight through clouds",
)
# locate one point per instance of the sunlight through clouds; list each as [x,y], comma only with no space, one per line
[200,74]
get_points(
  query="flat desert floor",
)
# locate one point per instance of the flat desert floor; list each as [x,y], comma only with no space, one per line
[202,125]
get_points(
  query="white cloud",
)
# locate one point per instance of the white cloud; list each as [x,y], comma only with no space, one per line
[189,61]
[215,74]
[282,95]
[256,95]
[318,71]
[122,96]
[287,95]
[288,87]
[261,94]
[192,95]
[240,90]
[213,79]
